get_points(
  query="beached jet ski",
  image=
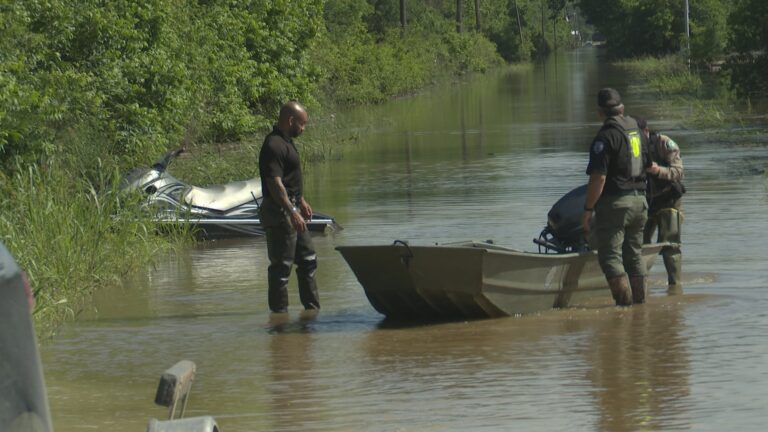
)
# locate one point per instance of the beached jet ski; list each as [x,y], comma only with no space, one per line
[216,211]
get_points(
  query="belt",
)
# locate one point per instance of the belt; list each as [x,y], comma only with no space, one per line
[292,199]
[635,192]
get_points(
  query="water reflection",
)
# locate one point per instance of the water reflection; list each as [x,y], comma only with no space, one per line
[295,401]
[640,369]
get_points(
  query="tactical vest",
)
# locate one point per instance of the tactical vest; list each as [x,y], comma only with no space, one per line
[629,165]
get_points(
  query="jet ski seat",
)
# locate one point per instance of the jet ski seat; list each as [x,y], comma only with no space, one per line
[224,197]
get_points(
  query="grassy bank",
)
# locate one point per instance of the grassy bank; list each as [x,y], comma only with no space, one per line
[693,97]
[73,235]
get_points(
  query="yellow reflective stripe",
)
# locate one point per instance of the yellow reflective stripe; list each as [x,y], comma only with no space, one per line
[634,141]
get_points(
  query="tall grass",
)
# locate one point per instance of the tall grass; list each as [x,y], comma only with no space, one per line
[72,236]
[665,76]
[697,100]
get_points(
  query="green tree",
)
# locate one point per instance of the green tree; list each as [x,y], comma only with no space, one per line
[749,40]
[142,74]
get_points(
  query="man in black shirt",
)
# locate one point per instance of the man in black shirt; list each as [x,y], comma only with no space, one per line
[618,158]
[284,212]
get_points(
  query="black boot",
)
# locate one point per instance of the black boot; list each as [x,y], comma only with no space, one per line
[278,274]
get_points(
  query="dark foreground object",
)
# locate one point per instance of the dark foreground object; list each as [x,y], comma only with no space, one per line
[23,402]
[471,279]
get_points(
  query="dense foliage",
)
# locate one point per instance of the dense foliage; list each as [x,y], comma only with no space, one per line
[141,75]
[749,42]
[720,30]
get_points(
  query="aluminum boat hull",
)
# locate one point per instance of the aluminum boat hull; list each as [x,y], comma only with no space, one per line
[472,279]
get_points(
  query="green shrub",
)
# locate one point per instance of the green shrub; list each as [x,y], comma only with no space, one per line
[144,75]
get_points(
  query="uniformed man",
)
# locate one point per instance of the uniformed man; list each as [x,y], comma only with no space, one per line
[284,212]
[618,158]
[665,192]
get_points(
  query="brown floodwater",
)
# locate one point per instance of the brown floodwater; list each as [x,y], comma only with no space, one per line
[484,159]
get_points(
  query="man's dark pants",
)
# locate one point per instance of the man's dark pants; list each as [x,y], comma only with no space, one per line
[286,247]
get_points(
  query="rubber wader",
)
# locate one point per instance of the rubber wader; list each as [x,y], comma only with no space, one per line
[639,289]
[620,290]
[668,221]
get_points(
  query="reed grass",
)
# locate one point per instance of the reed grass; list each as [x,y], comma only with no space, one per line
[73,236]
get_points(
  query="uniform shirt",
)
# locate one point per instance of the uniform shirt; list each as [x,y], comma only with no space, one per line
[665,152]
[279,158]
[611,154]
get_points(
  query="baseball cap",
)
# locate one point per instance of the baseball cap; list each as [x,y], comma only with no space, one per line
[608,98]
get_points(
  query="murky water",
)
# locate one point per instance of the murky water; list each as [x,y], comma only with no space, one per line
[481,160]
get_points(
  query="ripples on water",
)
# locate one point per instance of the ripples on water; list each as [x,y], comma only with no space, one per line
[695,362]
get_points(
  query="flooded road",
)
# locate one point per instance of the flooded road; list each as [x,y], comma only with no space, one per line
[481,160]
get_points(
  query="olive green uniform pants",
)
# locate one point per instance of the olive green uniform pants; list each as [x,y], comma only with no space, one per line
[619,223]
[667,221]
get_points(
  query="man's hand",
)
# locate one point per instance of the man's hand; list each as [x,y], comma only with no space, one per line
[305,209]
[653,169]
[298,222]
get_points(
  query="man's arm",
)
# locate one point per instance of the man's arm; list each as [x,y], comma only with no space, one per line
[671,154]
[594,190]
[280,195]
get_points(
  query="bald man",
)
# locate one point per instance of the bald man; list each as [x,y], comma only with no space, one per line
[284,212]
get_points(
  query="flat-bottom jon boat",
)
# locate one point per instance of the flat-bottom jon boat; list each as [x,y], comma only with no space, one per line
[471,279]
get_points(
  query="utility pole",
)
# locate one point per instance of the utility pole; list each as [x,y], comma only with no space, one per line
[458,16]
[554,31]
[519,26]
[542,19]
[402,14]
[477,14]
[687,36]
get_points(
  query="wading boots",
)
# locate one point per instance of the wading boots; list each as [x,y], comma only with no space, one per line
[620,290]
[639,289]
